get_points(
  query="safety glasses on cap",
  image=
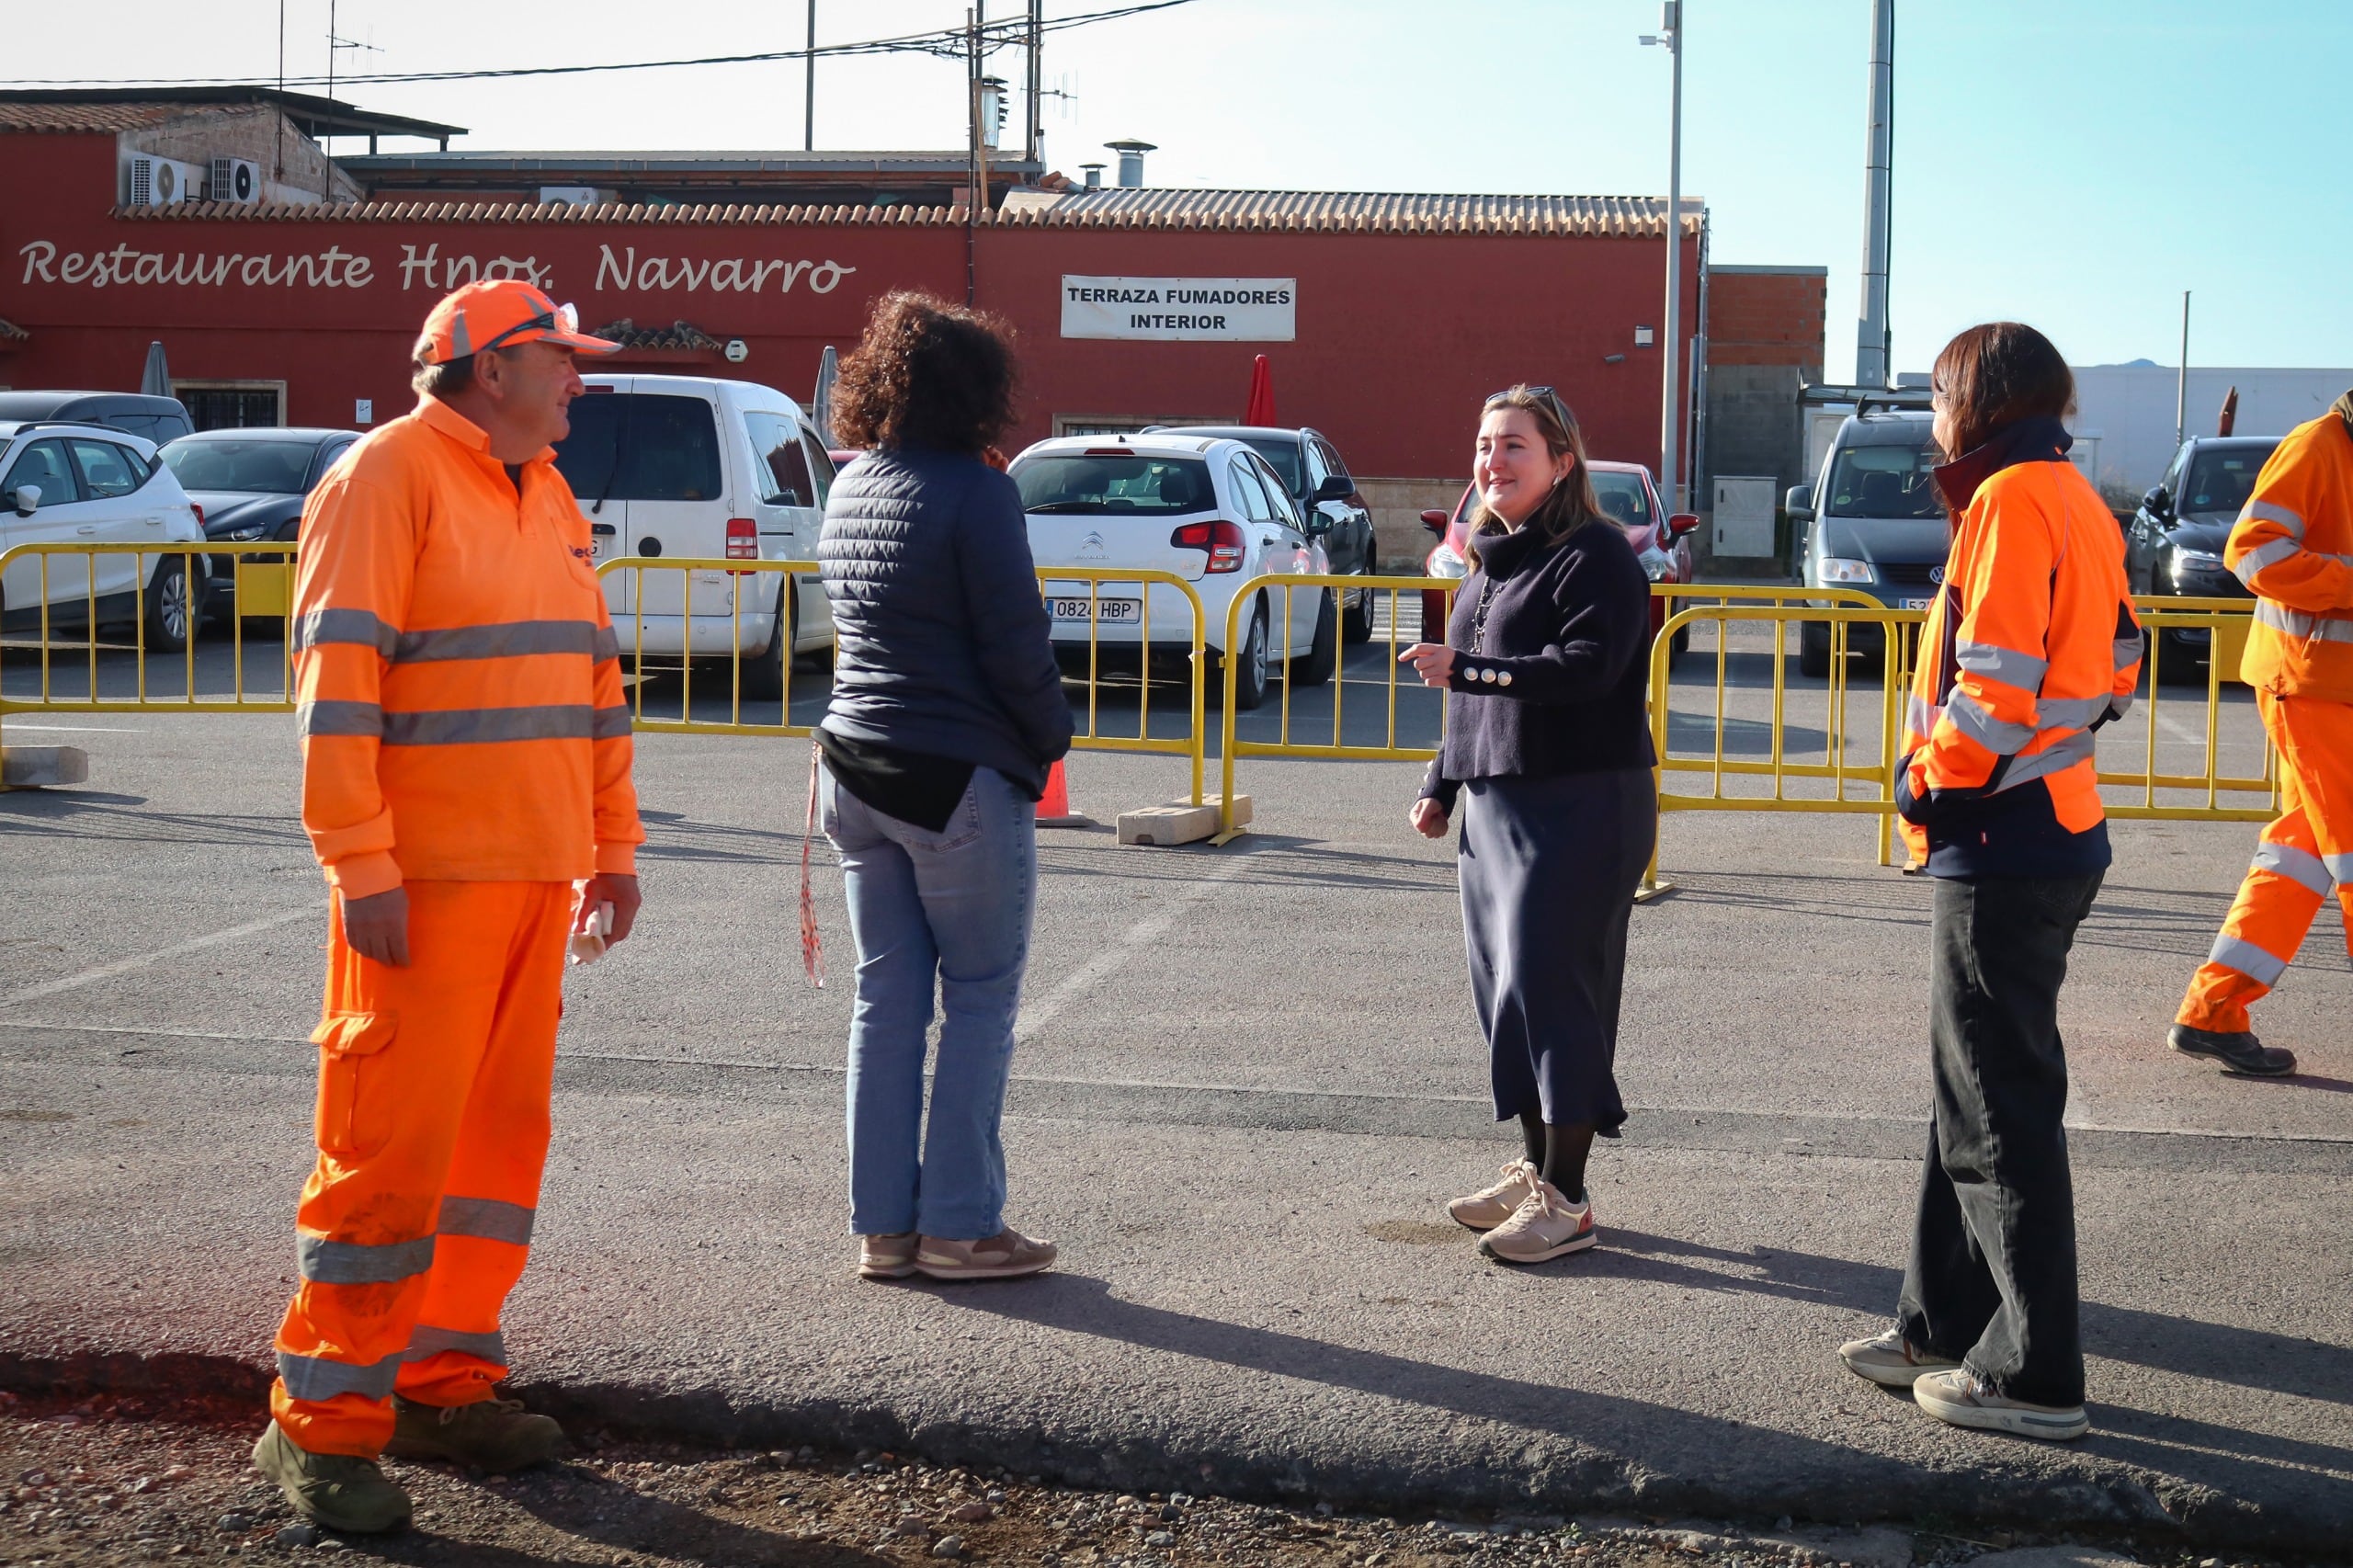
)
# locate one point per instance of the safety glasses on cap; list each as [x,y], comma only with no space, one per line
[563,318]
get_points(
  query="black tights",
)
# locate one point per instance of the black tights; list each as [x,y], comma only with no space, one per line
[1559,1151]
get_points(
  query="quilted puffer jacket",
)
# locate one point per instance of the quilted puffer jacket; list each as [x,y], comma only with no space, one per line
[942,641]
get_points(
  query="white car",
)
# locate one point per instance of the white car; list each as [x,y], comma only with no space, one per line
[702,467]
[1204,508]
[68,483]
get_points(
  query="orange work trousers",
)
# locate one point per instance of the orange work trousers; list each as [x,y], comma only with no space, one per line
[432,1131]
[2303,855]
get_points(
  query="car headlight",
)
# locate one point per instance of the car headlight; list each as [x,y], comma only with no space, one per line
[1835,570]
[2193,564]
[1445,563]
[256,531]
[1658,566]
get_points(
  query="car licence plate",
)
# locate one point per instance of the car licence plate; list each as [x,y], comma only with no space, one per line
[1124,611]
[1919,604]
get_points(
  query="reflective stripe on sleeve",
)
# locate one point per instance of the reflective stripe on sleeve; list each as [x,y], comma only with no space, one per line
[2272,512]
[2236,953]
[330,718]
[610,722]
[2128,652]
[472,726]
[491,1219]
[2264,555]
[1921,715]
[316,1380]
[606,646]
[354,1263]
[426,1340]
[2057,758]
[2007,666]
[507,640]
[2339,866]
[2296,623]
[359,627]
[2298,865]
[2070,712]
[1996,735]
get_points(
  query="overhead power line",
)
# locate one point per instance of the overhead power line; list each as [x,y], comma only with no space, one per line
[946,42]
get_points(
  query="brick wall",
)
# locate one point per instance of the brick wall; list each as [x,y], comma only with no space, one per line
[1766,333]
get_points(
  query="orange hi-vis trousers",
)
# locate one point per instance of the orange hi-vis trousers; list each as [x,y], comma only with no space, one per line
[2304,853]
[433,1126]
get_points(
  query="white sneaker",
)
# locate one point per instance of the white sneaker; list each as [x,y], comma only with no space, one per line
[1889,1361]
[1545,1226]
[1960,1399]
[1485,1209]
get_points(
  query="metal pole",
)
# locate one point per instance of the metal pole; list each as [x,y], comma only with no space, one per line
[1872,335]
[1035,145]
[972,150]
[1671,358]
[809,88]
[2181,379]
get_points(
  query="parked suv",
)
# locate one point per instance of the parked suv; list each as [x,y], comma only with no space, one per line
[75,484]
[156,419]
[1311,470]
[1873,522]
[1207,509]
[2174,544]
[703,467]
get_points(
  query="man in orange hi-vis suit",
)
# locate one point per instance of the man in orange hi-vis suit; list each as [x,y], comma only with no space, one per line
[2293,546]
[466,787]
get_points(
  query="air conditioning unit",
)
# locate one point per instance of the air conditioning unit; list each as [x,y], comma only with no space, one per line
[159,182]
[568,195]
[234,179]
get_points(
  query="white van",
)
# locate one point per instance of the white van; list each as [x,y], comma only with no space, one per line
[701,467]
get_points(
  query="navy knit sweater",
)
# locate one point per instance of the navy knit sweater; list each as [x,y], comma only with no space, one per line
[1567,631]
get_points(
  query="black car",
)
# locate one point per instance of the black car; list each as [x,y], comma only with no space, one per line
[251,484]
[2174,544]
[1318,480]
[159,419]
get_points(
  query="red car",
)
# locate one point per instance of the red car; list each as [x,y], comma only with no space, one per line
[1663,539]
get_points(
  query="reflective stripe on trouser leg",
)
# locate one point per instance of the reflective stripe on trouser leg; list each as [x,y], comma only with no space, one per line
[484,1234]
[394,1100]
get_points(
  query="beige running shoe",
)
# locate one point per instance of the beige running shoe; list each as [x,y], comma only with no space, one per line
[1964,1399]
[1889,1360]
[1006,1255]
[1545,1226]
[887,1257]
[1485,1209]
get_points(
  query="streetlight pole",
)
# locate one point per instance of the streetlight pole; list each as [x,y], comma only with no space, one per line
[1670,37]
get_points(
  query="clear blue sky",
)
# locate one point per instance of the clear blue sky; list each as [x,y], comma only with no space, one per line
[2073,163]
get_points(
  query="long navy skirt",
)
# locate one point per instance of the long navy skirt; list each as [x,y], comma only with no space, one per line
[1549,868]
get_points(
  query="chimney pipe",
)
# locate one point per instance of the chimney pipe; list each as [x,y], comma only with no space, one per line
[1094,173]
[1131,154]
[1872,335]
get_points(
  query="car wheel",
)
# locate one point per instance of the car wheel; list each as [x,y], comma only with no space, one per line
[763,672]
[1356,626]
[175,605]
[1681,645]
[1323,656]
[1814,649]
[1250,671]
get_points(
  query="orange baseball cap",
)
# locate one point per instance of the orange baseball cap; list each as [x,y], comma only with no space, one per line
[497,314]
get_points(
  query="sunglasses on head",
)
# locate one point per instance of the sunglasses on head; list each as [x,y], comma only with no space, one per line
[1560,409]
[566,317]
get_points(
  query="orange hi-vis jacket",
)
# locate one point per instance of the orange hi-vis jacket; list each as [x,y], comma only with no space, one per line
[2031,646]
[458,684]
[2293,548]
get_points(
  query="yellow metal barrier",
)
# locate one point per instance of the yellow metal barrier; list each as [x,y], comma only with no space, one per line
[2225,622]
[1152,594]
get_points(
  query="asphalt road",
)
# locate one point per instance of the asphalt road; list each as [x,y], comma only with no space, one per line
[1248,1079]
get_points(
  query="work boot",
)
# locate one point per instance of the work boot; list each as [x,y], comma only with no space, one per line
[1546,1225]
[495,1435]
[339,1491]
[2240,1054]
[1962,1399]
[1490,1207]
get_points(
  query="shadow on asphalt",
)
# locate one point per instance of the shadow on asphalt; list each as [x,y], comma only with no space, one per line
[657,1528]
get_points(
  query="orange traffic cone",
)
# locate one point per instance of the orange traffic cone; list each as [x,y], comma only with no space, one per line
[1053,809]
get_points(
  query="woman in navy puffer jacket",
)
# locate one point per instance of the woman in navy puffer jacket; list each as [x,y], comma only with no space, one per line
[946,712]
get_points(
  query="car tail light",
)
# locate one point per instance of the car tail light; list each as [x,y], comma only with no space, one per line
[1223,540]
[742,539]
[200,512]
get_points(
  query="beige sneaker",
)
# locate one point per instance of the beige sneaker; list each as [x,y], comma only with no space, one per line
[1486,1209]
[1889,1361]
[1006,1255]
[1964,1399]
[1545,1226]
[887,1257]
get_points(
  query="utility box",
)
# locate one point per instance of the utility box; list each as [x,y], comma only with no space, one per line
[1744,508]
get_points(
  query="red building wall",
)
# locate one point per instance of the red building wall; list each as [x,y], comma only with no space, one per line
[1399,336]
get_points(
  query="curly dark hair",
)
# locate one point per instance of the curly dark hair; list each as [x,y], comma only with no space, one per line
[927,374]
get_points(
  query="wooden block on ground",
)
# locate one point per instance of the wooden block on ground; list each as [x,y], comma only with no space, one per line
[34,767]
[1178,822]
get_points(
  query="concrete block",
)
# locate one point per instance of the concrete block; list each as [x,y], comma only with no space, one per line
[1178,823]
[36,767]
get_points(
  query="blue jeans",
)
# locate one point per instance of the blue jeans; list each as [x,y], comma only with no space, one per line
[956,903]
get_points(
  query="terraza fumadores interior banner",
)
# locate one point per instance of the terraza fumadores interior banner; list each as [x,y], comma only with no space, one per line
[1182,309]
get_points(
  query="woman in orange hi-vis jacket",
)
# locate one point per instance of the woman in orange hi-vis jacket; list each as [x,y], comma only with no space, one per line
[465,764]
[2293,546]
[2030,646]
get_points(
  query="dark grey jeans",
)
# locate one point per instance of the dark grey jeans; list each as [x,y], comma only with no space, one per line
[1992,1280]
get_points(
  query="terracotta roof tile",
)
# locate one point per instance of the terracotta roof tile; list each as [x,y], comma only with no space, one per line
[69,118]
